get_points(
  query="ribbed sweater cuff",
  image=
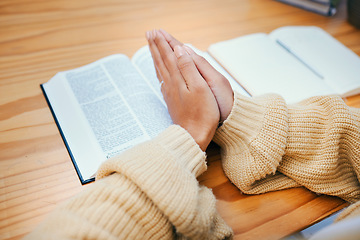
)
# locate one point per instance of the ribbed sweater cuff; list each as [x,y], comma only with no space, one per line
[175,141]
[165,169]
[251,118]
[184,148]
[244,122]
[253,138]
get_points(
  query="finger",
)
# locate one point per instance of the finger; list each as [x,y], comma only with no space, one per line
[170,61]
[160,68]
[170,39]
[209,73]
[166,52]
[161,81]
[218,84]
[188,69]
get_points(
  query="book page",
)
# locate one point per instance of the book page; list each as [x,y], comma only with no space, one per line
[103,109]
[339,66]
[262,66]
[106,106]
[142,96]
[143,61]
[74,128]
[234,84]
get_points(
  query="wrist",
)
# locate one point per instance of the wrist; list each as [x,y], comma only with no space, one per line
[226,106]
[249,119]
[203,137]
[181,145]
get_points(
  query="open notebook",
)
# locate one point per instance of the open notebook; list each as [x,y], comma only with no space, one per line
[295,62]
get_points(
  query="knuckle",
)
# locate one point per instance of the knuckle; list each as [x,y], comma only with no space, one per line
[223,79]
[184,62]
[173,42]
[200,59]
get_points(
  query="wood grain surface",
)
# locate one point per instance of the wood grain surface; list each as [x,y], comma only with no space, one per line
[39,38]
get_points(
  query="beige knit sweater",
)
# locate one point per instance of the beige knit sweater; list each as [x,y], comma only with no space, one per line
[268,145]
[151,191]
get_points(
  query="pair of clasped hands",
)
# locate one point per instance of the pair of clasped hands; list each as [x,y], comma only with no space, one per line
[197,96]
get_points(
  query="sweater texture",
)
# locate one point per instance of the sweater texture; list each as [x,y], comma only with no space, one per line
[268,145]
[151,191]
[148,192]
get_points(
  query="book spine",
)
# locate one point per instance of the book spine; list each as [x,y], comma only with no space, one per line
[82,180]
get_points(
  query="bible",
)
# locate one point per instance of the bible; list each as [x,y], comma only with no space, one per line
[108,106]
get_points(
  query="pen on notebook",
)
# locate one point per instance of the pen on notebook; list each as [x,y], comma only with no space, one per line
[311,68]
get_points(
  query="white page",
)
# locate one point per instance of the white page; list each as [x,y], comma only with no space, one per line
[108,111]
[339,66]
[234,84]
[262,66]
[140,95]
[95,106]
[74,126]
[143,61]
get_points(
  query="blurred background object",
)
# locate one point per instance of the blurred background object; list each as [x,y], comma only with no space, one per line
[353,9]
[323,7]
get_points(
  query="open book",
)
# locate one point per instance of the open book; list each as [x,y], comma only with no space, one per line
[110,105]
[295,62]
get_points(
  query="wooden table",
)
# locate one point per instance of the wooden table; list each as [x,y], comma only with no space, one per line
[40,38]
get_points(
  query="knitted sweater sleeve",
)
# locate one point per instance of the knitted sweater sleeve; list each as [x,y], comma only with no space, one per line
[148,192]
[268,145]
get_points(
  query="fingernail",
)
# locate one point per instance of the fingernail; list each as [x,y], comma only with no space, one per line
[148,35]
[153,34]
[179,51]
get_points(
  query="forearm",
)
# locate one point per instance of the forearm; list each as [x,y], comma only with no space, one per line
[324,141]
[311,143]
[112,208]
[168,178]
[251,150]
[143,193]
